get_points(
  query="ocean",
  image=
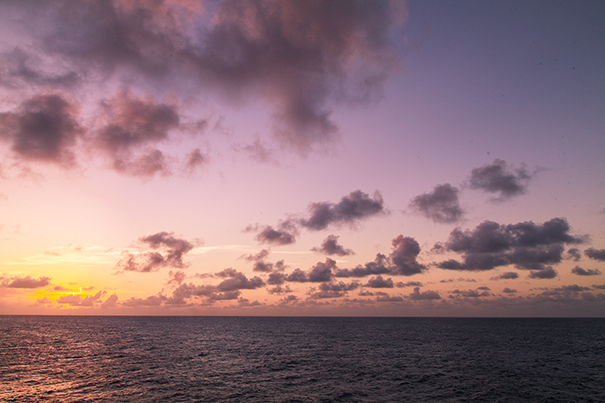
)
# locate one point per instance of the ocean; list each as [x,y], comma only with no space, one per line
[268,359]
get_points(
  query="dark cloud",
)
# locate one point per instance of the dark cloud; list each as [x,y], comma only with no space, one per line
[441,205]
[510,275]
[546,273]
[598,286]
[278,289]
[131,125]
[527,245]
[469,294]
[585,272]
[297,276]
[321,272]
[237,281]
[260,263]
[276,278]
[389,298]
[438,248]
[44,128]
[459,279]
[25,282]
[379,282]
[403,257]
[401,262]
[330,246]
[380,265]
[423,296]
[164,250]
[355,206]
[574,254]
[334,290]
[572,288]
[409,284]
[302,58]
[501,179]
[285,234]
[596,254]
[509,290]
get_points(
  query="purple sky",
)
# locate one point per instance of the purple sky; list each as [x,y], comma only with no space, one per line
[421,158]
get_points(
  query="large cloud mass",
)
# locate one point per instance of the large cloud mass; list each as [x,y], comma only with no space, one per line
[301,57]
[526,245]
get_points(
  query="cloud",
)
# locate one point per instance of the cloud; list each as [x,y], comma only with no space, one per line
[164,250]
[44,128]
[409,284]
[403,257]
[379,282]
[131,125]
[79,300]
[276,278]
[460,279]
[355,206]
[596,254]
[509,275]
[330,246]
[110,302]
[509,290]
[285,234]
[423,296]
[401,262]
[21,69]
[546,273]
[176,277]
[260,263]
[380,265]
[585,272]
[278,289]
[153,300]
[501,179]
[237,281]
[333,290]
[321,272]
[574,254]
[527,245]
[25,282]
[301,58]
[469,294]
[441,205]
[258,151]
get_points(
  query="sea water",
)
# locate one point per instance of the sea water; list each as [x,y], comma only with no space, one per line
[267,359]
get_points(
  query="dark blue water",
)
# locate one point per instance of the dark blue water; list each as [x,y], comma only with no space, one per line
[206,359]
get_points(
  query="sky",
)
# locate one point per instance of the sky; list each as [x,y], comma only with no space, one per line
[316,158]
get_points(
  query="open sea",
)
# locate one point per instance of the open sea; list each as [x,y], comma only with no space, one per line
[252,359]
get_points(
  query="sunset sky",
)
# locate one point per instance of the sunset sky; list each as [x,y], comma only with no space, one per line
[367,158]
